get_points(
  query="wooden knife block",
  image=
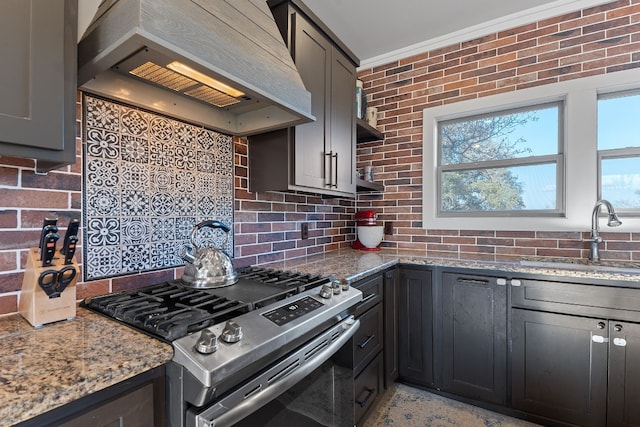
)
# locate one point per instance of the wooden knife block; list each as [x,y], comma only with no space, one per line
[35,305]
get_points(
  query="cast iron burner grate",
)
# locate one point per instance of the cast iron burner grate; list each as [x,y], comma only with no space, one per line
[171,310]
[168,310]
[283,279]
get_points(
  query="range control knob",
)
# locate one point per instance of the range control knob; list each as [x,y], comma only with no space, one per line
[232,332]
[207,342]
[326,291]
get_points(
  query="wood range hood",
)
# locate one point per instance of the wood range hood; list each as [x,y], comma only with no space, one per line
[221,64]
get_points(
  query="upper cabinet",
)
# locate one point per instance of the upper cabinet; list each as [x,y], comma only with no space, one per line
[320,156]
[38,84]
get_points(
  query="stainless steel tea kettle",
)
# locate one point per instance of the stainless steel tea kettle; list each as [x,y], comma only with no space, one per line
[207,267]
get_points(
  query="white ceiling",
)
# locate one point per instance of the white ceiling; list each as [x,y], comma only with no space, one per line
[381,31]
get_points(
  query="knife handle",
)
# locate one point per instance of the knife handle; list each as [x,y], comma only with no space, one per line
[72,230]
[47,221]
[71,249]
[49,248]
[49,228]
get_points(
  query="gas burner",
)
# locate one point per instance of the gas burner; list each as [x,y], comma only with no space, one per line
[168,310]
[283,279]
[171,310]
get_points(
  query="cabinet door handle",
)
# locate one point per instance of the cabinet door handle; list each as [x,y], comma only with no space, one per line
[620,342]
[367,298]
[599,339]
[515,282]
[501,282]
[335,184]
[367,341]
[363,402]
[327,176]
[472,281]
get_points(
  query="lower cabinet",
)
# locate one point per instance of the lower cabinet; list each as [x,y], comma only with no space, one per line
[474,336]
[415,326]
[134,409]
[559,353]
[367,388]
[623,402]
[136,402]
[579,370]
[368,343]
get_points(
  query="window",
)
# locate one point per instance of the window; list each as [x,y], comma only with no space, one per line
[619,150]
[502,163]
[566,145]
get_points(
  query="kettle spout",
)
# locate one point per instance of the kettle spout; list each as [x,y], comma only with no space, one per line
[187,254]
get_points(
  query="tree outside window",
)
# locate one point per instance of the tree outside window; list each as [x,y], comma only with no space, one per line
[504,163]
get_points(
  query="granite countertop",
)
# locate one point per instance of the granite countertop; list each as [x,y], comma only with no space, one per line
[354,265]
[44,368]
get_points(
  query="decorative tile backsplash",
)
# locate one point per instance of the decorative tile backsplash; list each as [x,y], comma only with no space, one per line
[148,180]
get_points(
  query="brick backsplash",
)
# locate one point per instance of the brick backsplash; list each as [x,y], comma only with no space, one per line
[597,40]
[267,225]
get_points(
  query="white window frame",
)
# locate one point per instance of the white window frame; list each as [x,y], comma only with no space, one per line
[580,150]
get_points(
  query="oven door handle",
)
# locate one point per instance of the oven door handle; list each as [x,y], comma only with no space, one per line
[276,380]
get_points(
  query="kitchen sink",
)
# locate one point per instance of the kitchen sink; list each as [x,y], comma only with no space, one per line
[624,267]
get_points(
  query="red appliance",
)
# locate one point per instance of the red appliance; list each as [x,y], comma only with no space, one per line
[365,219]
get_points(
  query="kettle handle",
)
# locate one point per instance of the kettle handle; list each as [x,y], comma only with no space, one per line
[208,223]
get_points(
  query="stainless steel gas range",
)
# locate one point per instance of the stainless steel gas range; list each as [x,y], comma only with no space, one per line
[273,349]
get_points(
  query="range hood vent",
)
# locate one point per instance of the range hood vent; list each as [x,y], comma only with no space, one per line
[217,63]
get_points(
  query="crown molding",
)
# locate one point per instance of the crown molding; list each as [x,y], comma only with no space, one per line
[549,10]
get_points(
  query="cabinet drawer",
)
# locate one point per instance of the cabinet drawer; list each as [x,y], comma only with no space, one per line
[574,298]
[367,387]
[372,293]
[367,341]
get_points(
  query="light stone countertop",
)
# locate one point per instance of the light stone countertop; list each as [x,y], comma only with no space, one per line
[44,368]
[355,264]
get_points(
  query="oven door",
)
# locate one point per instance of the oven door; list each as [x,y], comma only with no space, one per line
[313,386]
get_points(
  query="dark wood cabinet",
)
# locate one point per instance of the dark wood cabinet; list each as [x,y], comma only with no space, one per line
[136,402]
[624,374]
[474,336]
[415,326]
[38,84]
[367,388]
[368,339]
[559,367]
[554,350]
[319,156]
[368,345]
[390,306]
[576,352]
[134,409]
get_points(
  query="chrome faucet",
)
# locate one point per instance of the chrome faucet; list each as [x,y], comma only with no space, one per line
[595,238]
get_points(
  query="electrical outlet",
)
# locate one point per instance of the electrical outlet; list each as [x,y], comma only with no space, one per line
[388,228]
[304,230]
